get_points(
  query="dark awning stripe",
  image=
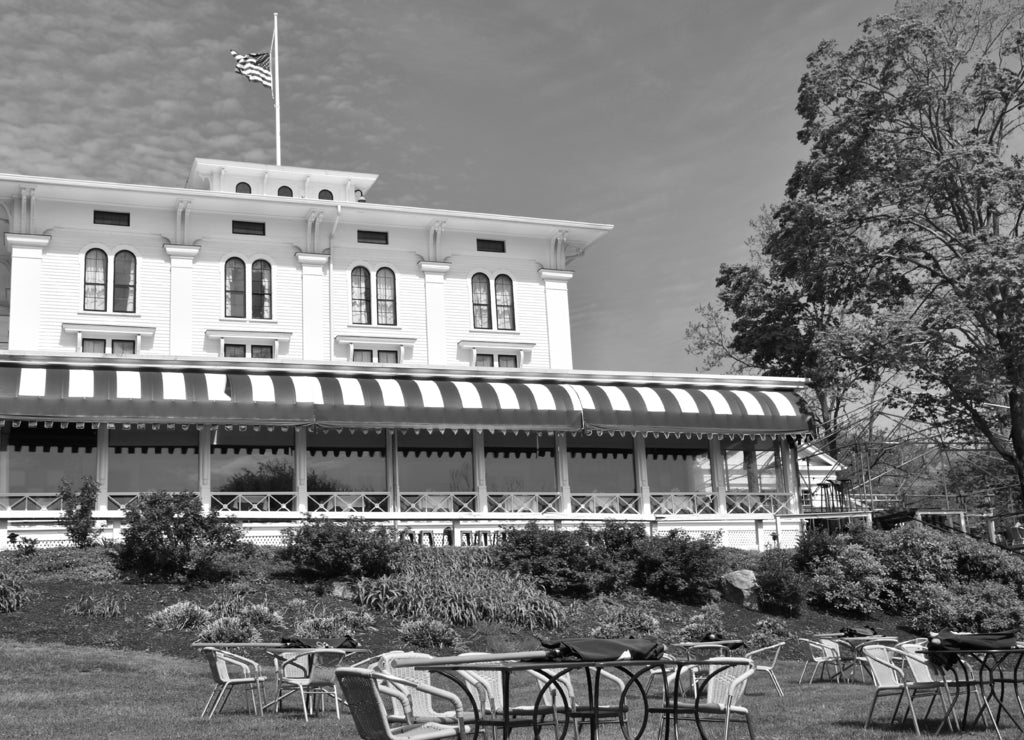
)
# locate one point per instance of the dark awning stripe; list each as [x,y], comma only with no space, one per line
[135,395]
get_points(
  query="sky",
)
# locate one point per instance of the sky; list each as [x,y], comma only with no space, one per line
[673,120]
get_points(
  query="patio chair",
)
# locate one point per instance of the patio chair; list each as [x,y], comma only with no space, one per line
[892,674]
[764,662]
[364,691]
[296,674]
[579,709]
[490,696]
[422,704]
[228,671]
[823,657]
[927,681]
[720,701]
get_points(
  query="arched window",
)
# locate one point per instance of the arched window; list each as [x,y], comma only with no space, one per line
[243,187]
[386,312]
[481,301]
[326,195]
[261,290]
[504,305]
[234,288]
[124,282]
[360,296]
[284,191]
[95,293]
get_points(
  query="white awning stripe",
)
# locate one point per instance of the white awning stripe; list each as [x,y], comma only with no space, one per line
[351,392]
[469,394]
[431,394]
[719,402]
[783,405]
[32,382]
[262,389]
[750,403]
[80,384]
[173,386]
[391,391]
[507,399]
[308,389]
[129,384]
[652,400]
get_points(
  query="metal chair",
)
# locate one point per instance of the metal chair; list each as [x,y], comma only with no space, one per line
[490,696]
[295,673]
[721,692]
[228,671]
[892,672]
[764,662]
[364,691]
[422,703]
[822,656]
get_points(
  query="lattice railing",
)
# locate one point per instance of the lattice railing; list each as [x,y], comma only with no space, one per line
[674,504]
[523,503]
[436,501]
[121,501]
[347,502]
[606,503]
[242,502]
[32,502]
[757,503]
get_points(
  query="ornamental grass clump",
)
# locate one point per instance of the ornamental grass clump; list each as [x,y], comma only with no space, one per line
[430,634]
[106,606]
[459,590]
[13,596]
[229,629]
[183,615]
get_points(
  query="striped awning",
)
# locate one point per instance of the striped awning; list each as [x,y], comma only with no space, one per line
[198,396]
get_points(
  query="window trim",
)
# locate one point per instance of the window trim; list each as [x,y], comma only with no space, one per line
[231,291]
[131,286]
[108,331]
[99,285]
[267,297]
[249,337]
[521,350]
[481,309]
[375,306]
[351,342]
[492,307]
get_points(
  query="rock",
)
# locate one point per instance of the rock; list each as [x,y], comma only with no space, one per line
[738,587]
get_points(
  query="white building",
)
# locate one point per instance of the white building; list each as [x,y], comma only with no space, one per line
[406,365]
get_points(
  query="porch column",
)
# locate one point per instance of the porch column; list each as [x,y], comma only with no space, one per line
[562,473]
[479,472]
[102,466]
[640,471]
[391,469]
[301,472]
[205,466]
[718,480]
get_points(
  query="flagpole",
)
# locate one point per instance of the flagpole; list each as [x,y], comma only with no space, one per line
[277,96]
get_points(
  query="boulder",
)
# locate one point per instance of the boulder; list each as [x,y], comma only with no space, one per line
[739,587]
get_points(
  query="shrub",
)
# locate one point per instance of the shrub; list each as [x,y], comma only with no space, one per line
[23,545]
[260,615]
[614,619]
[977,561]
[183,615]
[680,567]
[815,544]
[77,511]
[429,633]
[852,582]
[229,629]
[92,565]
[167,537]
[767,631]
[912,556]
[565,563]
[13,596]
[780,589]
[327,626]
[988,607]
[931,608]
[708,620]
[321,548]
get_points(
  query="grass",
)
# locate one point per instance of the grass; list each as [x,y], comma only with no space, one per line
[83,692]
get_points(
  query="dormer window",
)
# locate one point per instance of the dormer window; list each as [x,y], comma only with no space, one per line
[243,187]
[284,191]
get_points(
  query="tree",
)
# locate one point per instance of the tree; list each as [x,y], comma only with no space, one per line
[906,218]
[77,511]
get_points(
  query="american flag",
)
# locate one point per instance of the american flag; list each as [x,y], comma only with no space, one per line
[254,67]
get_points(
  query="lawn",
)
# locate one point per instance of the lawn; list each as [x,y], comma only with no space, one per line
[58,691]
